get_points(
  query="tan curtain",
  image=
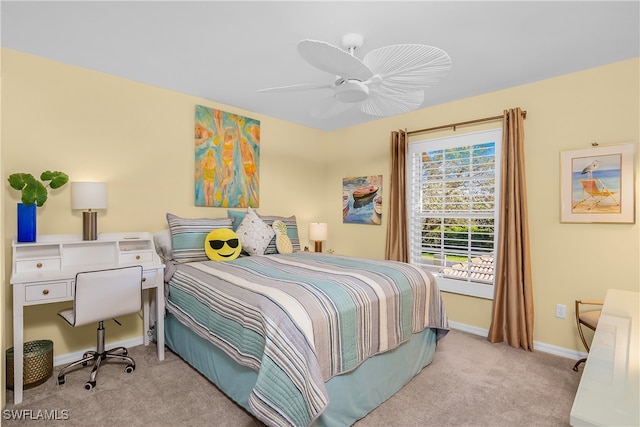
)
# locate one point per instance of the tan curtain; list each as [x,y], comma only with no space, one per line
[512,319]
[397,248]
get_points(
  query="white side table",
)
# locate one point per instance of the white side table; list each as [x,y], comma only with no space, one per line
[43,272]
[609,390]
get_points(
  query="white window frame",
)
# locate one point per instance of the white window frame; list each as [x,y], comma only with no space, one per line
[464,285]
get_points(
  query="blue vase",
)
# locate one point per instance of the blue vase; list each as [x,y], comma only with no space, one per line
[27,222]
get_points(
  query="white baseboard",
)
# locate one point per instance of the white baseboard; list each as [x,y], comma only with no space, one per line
[537,345]
[64,359]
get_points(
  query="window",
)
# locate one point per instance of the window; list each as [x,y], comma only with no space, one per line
[453,188]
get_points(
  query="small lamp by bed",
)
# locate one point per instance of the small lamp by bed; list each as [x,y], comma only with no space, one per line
[318,232]
[89,196]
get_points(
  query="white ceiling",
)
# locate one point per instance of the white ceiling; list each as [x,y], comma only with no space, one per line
[225,51]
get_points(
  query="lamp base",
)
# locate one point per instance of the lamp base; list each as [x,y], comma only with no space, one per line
[89,225]
[318,246]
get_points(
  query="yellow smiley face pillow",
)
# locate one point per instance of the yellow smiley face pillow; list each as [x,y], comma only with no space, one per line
[222,244]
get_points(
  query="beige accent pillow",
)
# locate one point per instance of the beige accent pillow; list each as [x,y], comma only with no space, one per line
[283,242]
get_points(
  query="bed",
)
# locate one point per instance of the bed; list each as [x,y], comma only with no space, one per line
[296,339]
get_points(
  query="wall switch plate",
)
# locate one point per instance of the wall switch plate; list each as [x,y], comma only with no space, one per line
[561,311]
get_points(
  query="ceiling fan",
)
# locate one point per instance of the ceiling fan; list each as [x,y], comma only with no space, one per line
[389,80]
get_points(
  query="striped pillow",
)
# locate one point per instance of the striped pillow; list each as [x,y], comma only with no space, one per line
[292,232]
[188,236]
[236,217]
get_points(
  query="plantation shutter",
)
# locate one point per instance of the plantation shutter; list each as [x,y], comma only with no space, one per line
[453,213]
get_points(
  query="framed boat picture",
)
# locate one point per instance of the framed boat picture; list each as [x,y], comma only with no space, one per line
[362,200]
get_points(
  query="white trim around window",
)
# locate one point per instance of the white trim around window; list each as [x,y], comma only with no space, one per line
[453,187]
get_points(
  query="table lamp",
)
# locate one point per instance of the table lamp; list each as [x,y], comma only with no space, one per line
[318,232]
[89,196]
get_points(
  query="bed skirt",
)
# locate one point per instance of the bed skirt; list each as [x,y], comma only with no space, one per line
[351,396]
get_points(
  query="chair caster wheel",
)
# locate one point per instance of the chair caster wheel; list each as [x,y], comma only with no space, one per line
[89,385]
[130,368]
[61,380]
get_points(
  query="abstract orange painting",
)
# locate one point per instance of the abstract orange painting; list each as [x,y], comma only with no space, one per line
[227,159]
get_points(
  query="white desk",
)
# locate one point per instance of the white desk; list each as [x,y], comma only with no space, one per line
[609,390]
[43,272]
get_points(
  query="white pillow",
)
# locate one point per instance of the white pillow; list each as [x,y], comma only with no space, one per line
[162,240]
[254,234]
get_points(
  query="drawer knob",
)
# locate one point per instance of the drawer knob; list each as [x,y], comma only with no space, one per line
[39,265]
[144,279]
[45,292]
[137,256]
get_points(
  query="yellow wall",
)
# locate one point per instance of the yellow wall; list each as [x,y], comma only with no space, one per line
[3,285]
[569,261]
[139,139]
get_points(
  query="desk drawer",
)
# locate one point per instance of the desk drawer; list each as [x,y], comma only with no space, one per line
[148,278]
[46,291]
[31,265]
[134,257]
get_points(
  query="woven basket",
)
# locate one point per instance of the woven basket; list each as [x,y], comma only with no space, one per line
[38,363]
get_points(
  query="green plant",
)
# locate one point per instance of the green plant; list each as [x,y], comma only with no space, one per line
[34,191]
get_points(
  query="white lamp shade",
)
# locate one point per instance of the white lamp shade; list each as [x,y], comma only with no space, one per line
[88,195]
[318,231]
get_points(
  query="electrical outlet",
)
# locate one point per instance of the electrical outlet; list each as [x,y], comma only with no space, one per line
[561,311]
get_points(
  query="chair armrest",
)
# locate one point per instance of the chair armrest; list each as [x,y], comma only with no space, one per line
[590,302]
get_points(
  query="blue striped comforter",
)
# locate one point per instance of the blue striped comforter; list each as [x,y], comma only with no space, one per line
[302,318]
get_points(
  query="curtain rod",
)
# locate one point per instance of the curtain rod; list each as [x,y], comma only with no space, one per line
[454,125]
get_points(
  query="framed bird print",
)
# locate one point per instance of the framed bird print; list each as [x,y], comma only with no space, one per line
[597,185]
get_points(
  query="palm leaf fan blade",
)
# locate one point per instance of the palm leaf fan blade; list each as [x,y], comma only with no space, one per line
[334,60]
[408,67]
[384,104]
[329,107]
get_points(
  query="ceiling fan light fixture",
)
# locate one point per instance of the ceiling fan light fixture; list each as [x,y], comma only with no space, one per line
[389,80]
[351,91]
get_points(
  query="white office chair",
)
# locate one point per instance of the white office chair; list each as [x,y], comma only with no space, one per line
[101,295]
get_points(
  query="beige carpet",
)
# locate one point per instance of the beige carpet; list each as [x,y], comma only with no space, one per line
[471,382]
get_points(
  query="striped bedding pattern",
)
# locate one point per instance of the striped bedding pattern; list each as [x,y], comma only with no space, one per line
[302,318]
[188,236]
